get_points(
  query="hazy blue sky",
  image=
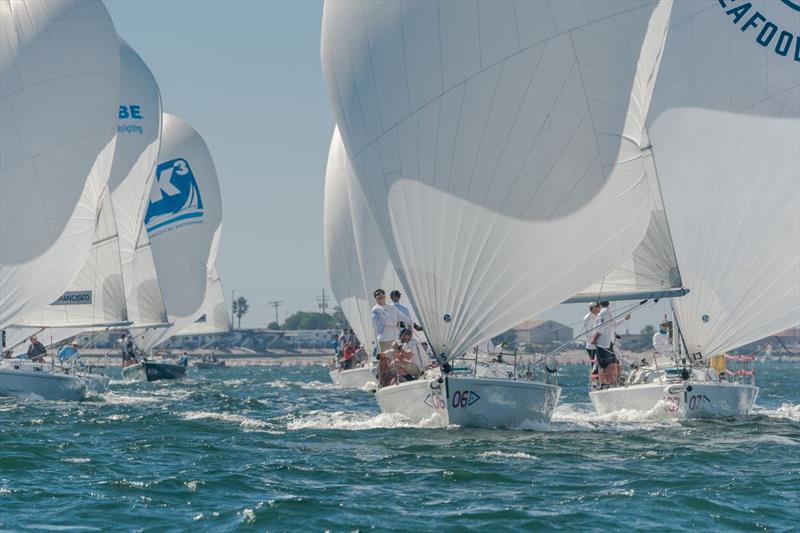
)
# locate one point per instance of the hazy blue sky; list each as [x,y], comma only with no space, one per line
[247,76]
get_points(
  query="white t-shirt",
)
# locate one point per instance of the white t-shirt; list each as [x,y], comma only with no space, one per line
[589,322]
[420,357]
[605,327]
[385,319]
[661,342]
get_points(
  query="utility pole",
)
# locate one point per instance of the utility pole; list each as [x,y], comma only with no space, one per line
[323,302]
[276,304]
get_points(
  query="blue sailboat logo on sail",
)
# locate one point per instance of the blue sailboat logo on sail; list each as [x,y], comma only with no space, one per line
[175,197]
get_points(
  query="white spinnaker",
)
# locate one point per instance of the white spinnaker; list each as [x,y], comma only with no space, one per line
[99,294]
[139,138]
[499,145]
[215,317]
[725,130]
[341,254]
[651,270]
[183,224]
[59,63]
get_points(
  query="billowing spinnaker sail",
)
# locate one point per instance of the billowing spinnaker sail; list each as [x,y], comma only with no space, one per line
[183,219]
[341,253]
[215,317]
[725,131]
[59,64]
[97,296]
[651,271]
[138,140]
[499,145]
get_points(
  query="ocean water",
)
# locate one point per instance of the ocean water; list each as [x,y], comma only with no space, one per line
[279,449]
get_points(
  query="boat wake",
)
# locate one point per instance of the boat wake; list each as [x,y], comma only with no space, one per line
[497,454]
[571,417]
[306,385]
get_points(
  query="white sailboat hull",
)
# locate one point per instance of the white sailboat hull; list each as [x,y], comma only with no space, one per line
[422,400]
[38,381]
[492,403]
[678,400]
[356,378]
[471,401]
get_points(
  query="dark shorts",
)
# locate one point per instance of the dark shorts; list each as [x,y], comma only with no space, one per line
[605,357]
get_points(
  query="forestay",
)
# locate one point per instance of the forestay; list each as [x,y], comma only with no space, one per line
[499,145]
[183,221]
[725,130]
[59,63]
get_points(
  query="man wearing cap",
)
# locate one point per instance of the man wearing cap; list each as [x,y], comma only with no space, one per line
[36,351]
[386,320]
[410,359]
[68,352]
[661,343]
[395,296]
[589,323]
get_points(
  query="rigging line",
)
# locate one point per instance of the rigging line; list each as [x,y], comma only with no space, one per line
[780,341]
[633,309]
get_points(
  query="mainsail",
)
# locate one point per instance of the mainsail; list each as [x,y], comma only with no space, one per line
[58,101]
[183,220]
[725,131]
[499,145]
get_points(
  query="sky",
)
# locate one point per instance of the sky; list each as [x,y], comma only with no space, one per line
[247,76]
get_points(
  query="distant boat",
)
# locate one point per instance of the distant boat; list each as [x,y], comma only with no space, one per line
[156,370]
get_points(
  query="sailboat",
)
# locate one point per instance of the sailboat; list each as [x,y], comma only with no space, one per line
[98,300]
[183,224]
[725,129]
[55,165]
[497,164]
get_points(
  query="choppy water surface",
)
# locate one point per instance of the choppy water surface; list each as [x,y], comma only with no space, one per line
[278,448]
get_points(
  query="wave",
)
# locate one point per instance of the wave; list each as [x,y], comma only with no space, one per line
[786,410]
[355,421]
[245,422]
[306,385]
[509,455]
[571,417]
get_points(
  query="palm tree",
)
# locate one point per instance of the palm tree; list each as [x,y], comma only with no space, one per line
[240,308]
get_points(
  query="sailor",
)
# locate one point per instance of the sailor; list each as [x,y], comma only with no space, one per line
[36,351]
[589,323]
[395,296]
[128,350]
[603,336]
[408,360]
[661,342]
[386,320]
[68,352]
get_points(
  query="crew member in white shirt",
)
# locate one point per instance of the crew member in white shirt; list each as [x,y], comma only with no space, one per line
[386,321]
[661,342]
[589,323]
[602,339]
[395,297]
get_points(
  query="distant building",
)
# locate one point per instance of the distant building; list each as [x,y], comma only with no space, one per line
[542,332]
[311,338]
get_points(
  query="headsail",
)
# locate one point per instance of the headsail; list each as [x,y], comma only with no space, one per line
[62,57]
[341,254]
[498,159]
[215,317]
[725,131]
[183,222]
